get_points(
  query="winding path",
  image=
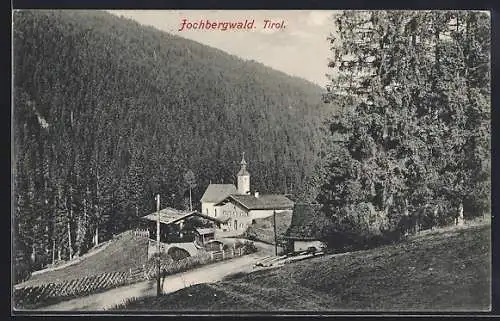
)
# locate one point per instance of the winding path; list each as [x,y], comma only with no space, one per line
[205,274]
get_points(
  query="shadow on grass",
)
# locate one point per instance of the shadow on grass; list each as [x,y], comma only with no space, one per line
[234,276]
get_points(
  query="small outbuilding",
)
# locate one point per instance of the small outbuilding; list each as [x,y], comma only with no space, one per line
[203,235]
[305,230]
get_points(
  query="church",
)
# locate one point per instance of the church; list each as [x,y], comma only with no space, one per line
[237,207]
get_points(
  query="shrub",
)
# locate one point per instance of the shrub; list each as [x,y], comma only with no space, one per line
[22,266]
[170,266]
[164,257]
[22,272]
[359,226]
[249,247]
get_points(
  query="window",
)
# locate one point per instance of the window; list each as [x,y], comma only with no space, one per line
[215,214]
[207,211]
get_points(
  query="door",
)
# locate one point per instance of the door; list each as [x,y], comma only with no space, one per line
[235,224]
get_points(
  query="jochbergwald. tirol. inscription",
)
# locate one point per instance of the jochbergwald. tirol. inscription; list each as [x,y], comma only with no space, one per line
[230,25]
[242,161]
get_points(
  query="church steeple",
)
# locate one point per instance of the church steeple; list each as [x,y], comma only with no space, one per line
[243,170]
[243,177]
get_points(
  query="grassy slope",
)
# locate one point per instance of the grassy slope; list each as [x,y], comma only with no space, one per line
[449,270]
[127,251]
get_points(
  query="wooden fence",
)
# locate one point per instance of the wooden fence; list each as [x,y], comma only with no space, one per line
[33,295]
[171,267]
[226,254]
[141,232]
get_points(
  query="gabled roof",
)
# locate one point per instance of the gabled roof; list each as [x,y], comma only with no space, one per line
[263,202]
[217,192]
[204,231]
[307,222]
[171,215]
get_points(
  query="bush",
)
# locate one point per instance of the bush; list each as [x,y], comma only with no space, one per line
[22,266]
[359,227]
[164,257]
[22,272]
[249,247]
[171,267]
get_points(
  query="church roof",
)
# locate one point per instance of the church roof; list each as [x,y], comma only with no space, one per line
[217,192]
[263,202]
[307,222]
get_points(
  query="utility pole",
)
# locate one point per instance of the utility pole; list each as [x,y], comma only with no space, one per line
[190,200]
[158,287]
[275,235]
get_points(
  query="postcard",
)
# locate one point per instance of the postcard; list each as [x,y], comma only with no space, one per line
[238,162]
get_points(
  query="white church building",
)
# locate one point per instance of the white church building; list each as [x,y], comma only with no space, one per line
[237,207]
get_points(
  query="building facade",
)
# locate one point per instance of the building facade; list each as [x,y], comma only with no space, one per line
[237,207]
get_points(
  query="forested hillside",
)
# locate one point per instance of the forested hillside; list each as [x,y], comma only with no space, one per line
[108,112]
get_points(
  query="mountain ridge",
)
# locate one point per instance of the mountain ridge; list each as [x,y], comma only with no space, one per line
[130,109]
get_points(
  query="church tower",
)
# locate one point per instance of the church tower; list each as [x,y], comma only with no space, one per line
[243,177]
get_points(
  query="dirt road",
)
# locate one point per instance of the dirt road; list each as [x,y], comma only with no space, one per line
[204,274]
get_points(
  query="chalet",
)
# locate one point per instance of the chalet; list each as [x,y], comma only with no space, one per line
[189,231]
[306,227]
[236,207]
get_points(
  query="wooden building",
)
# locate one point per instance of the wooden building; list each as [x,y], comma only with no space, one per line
[178,226]
[305,232]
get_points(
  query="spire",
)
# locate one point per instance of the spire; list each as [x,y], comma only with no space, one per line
[243,170]
[243,162]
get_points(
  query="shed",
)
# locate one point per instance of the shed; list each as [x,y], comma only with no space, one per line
[204,235]
[306,228]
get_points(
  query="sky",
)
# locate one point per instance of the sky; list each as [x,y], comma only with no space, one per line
[300,48]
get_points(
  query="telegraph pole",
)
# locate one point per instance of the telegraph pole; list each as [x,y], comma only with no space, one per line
[158,287]
[275,234]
